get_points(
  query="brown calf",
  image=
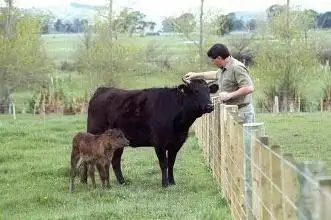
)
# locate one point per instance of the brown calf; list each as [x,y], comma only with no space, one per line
[95,150]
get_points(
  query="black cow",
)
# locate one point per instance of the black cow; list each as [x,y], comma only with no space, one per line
[159,117]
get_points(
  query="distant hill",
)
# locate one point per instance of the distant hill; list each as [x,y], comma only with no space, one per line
[69,12]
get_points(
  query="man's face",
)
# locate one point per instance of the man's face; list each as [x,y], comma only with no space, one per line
[218,61]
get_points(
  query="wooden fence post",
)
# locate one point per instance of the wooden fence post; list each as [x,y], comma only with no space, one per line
[288,186]
[248,130]
[260,184]
[225,113]
[308,193]
[275,109]
[237,168]
[325,197]
[276,205]
[216,136]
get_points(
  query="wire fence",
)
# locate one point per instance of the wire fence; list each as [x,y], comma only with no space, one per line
[259,181]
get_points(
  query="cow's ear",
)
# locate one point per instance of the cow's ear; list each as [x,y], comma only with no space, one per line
[183,88]
[213,88]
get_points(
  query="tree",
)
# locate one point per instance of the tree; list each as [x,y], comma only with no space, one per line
[102,58]
[150,25]
[168,24]
[23,61]
[224,24]
[324,20]
[129,21]
[59,27]
[251,24]
[274,10]
[284,64]
[185,23]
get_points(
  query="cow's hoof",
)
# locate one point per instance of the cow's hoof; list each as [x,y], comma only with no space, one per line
[125,182]
[172,183]
[165,184]
[121,181]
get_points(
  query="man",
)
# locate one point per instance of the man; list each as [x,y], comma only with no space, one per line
[235,84]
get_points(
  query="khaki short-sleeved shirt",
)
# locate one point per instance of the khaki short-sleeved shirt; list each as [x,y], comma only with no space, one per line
[232,77]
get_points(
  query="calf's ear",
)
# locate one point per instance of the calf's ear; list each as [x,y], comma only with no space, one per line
[213,88]
[183,88]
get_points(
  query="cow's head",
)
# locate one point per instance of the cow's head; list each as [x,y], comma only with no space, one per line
[198,94]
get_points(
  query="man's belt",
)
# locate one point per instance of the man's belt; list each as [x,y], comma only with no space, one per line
[242,105]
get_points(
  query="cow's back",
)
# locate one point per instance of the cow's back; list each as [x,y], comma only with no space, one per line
[140,114]
[119,108]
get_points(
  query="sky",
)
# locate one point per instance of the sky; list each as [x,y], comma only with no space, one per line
[160,8]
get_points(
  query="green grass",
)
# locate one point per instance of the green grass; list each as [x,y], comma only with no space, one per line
[306,135]
[62,47]
[34,167]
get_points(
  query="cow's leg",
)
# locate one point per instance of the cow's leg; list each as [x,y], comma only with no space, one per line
[116,164]
[161,155]
[171,162]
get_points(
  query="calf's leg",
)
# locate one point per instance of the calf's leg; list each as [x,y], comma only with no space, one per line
[73,171]
[107,165]
[91,171]
[102,173]
[83,173]
[116,164]
[161,155]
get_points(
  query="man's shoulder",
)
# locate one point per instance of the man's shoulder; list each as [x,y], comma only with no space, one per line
[236,62]
[238,65]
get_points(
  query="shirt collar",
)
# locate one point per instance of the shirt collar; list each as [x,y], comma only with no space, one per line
[229,63]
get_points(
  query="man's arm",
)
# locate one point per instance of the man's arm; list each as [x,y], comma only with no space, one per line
[245,90]
[208,75]
[244,82]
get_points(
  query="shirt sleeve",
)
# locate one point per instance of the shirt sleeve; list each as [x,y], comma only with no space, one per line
[242,76]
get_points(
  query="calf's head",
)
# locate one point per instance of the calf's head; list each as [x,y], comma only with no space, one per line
[115,139]
[197,93]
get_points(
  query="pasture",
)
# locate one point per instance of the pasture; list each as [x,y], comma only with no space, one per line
[305,135]
[34,163]
[34,178]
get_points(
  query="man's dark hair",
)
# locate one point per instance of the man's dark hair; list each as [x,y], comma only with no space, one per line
[218,50]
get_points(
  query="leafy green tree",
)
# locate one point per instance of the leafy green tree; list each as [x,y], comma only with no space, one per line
[185,23]
[23,62]
[285,61]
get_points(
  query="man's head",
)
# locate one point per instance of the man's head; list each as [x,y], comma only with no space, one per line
[218,53]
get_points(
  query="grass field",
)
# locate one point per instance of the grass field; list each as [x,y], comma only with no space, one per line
[35,159]
[34,166]
[304,135]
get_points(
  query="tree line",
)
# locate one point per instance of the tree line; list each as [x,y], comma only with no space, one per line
[133,21]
